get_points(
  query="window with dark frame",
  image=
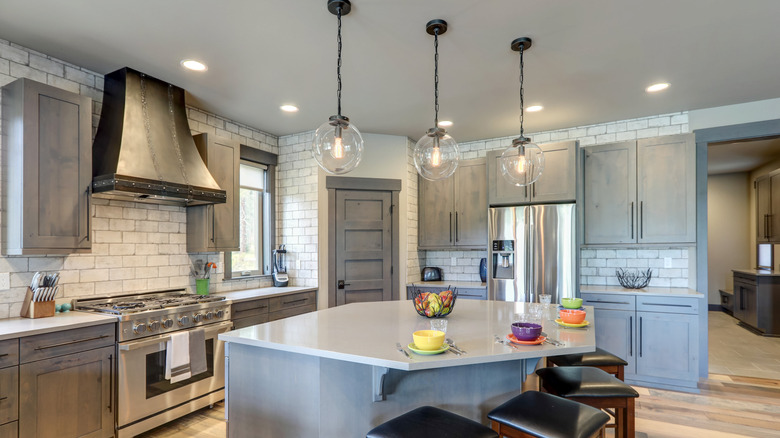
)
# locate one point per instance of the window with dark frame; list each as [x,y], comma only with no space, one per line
[256,221]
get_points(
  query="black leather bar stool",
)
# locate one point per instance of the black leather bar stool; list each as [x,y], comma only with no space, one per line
[427,422]
[600,359]
[536,414]
[593,387]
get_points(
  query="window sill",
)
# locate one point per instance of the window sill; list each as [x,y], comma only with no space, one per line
[247,277]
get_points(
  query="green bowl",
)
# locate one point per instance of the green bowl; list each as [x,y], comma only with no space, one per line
[571,303]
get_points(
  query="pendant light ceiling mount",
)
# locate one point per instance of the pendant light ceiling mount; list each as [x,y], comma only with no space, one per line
[436,154]
[523,162]
[337,145]
[335,5]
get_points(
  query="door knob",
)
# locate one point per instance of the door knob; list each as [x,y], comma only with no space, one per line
[340,284]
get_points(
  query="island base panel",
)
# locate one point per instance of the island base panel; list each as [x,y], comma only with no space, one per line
[273,393]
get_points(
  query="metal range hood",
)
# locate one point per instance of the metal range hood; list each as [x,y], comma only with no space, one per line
[143,150]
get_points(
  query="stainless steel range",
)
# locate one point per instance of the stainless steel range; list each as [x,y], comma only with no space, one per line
[145,399]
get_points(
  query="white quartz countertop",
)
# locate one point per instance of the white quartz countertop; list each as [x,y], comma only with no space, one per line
[463,284]
[367,333]
[658,291]
[758,272]
[263,292]
[18,327]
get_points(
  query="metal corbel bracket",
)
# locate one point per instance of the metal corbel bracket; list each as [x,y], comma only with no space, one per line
[378,386]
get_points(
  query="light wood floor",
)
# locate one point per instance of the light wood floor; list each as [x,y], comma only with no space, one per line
[728,406]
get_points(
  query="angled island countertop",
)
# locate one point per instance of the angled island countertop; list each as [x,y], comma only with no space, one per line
[367,333]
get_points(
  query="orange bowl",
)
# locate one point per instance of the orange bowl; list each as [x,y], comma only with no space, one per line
[572,316]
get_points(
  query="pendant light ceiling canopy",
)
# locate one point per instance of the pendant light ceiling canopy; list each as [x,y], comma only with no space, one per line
[337,144]
[436,154]
[523,162]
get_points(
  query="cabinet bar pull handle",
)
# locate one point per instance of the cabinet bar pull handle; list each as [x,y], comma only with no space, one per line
[632,220]
[111,382]
[450,226]
[630,335]
[667,305]
[533,189]
[78,341]
[3,398]
[640,336]
[641,219]
[456,227]
[213,220]
[526,191]
[295,301]
[89,209]
[4,355]
[607,302]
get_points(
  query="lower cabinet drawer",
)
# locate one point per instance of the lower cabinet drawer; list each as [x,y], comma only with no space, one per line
[473,294]
[9,395]
[609,301]
[250,308]
[668,305]
[280,314]
[55,344]
[249,321]
[293,300]
[9,353]
[10,430]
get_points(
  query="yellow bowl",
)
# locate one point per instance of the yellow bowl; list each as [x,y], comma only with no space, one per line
[428,339]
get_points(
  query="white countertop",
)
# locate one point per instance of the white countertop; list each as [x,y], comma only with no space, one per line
[758,272]
[262,292]
[658,291]
[367,333]
[18,327]
[463,284]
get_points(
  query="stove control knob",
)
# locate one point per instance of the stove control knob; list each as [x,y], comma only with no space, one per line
[154,325]
[209,315]
[168,323]
[220,314]
[197,317]
[184,320]
[139,328]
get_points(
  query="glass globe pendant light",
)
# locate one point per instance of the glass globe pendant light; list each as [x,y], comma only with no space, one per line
[436,153]
[337,144]
[523,162]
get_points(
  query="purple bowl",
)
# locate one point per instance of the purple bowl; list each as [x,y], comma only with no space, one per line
[526,331]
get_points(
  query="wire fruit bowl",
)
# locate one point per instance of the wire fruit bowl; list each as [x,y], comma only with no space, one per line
[433,304]
[634,279]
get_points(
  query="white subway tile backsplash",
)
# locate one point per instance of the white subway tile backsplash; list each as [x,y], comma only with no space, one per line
[599,265]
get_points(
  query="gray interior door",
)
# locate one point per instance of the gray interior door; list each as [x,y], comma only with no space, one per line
[363,246]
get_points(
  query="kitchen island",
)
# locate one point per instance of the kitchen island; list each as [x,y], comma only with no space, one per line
[337,372]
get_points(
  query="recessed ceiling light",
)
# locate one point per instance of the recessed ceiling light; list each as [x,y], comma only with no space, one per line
[289,108]
[657,87]
[191,64]
[534,108]
[445,123]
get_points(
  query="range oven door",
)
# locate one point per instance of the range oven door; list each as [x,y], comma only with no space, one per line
[141,385]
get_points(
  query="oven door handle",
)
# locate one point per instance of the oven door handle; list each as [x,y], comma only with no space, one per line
[134,345]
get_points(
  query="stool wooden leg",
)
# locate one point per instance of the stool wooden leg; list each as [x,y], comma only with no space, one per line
[620,372]
[630,425]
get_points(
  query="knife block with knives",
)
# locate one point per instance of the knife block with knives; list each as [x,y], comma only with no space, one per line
[39,299]
[36,309]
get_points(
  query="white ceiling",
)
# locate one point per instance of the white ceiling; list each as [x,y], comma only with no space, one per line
[589,63]
[741,156]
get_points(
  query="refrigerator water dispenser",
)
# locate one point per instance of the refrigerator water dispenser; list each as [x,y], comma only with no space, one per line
[503,259]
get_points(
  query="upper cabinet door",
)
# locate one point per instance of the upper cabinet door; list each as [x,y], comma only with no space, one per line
[501,191]
[49,169]
[471,204]
[666,188]
[557,182]
[436,216]
[609,172]
[216,227]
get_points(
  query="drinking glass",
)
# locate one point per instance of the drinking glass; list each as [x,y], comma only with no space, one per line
[545,299]
[439,324]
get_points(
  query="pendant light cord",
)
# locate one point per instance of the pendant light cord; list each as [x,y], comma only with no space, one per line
[522,103]
[436,77]
[338,64]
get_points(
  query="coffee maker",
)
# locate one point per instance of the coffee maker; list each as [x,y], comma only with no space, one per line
[280,270]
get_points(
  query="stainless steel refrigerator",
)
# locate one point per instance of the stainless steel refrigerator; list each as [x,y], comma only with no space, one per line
[532,252]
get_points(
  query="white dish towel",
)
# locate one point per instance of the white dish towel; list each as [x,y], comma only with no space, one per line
[177,357]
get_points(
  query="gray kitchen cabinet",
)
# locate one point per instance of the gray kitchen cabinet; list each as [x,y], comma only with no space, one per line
[66,383]
[453,211]
[557,183]
[466,293]
[48,166]
[257,311]
[9,430]
[746,299]
[640,191]
[215,227]
[757,300]
[657,335]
